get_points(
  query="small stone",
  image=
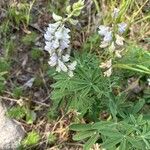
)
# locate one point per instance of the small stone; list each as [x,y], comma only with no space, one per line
[11,133]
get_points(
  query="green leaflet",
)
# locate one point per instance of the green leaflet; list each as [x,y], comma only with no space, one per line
[111,142]
[90,142]
[80,127]
[83,135]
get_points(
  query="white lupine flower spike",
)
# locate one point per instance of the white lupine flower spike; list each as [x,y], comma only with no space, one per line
[57,40]
[112,40]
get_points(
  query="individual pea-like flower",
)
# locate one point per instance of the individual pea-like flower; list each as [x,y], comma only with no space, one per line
[108,72]
[108,37]
[122,27]
[108,66]
[115,13]
[119,40]
[148,80]
[103,30]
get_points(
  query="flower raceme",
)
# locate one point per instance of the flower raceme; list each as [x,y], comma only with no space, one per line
[57,40]
[57,44]
[112,38]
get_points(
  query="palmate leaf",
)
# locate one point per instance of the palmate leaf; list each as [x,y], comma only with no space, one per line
[86,90]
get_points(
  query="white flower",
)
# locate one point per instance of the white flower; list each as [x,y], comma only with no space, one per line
[108,72]
[148,80]
[106,64]
[53,27]
[53,60]
[62,66]
[103,30]
[104,44]
[108,37]
[70,73]
[66,58]
[72,65]
[119,40]
[115,13]
[57,36]
[118,53]
[122,27]
[57,43]
[112,47]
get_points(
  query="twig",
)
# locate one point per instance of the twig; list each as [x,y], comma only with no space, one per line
[15,100]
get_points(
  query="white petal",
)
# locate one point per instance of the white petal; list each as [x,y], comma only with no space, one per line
[48,37]
[104,44]
[106,64]
[122,27]
[148,80]
[70,73]
[118,53]
[59,34]
[66,30]
[108,37]
[58,69]
[72,65]
[55,44]
[62,66]
[115,13]
[108,72]
[53,60]
[119,40]
[112,47]
[66,58]
[48,46]
[64,45]
[103,30]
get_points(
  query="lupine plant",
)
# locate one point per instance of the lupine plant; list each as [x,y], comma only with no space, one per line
[95,80]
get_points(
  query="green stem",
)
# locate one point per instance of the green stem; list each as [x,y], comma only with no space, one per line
[97,6]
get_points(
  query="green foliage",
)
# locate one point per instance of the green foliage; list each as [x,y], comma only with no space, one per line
[18,112]
[17,92]
[31,139]
[4,68]
[20,12]
[5,27]
[51,138]
[29,38]
[135,59]
[36,54]
[86,92]
[130,133]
